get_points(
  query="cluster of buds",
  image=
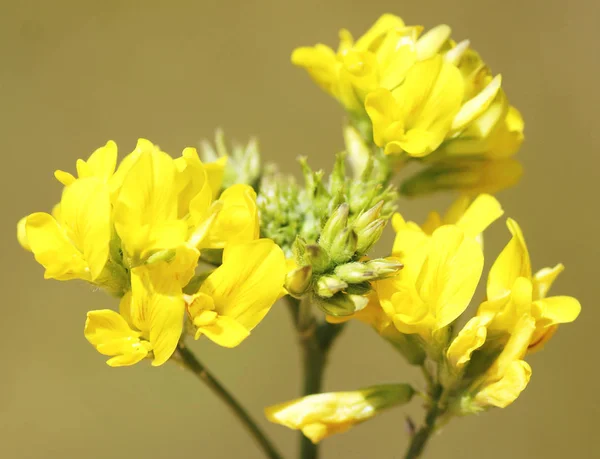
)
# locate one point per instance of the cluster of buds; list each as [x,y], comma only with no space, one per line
[332,270]
[290,212]
[241,162]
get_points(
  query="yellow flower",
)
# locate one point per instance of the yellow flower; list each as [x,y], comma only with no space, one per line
[425,298]
[73,244]
[512,288]
[237,295]
[151,315]
[473,216]
[509,375]
[416,117]
[322,415]
[380,58]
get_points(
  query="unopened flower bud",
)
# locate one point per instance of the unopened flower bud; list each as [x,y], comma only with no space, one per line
[334,226]
[359,289]
[367,217]
[344,246]
[341,304]
[298,280]
[370,235]
[384,267]
[355,273]
[327,286]
[317,257]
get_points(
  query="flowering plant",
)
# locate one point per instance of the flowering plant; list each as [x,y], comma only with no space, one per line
[205,244]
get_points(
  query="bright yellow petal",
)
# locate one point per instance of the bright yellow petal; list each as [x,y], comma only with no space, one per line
[111,335]
[382,108]
[85,216]
[246,291]
[470,338]
[22,234]
[101,164]
[450,274]
[373,37]
[482,212]
[53,249]
[225,331]
[237,220]
[513,262]
[157,309]
[558,309]
[147,204]
[215,171]
[505,391]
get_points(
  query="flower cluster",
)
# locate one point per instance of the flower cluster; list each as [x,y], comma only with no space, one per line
[204,245]
[421,92]
[480,365]
[138,231]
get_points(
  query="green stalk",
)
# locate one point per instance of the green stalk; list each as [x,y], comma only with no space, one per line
[186,358]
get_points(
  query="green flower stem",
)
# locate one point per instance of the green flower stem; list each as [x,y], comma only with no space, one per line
[422,436]
[188,360]
[315,341]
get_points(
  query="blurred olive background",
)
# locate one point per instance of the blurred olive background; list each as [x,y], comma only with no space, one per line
[74,74]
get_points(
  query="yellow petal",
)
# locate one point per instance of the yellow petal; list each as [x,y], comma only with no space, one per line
[482,212]
[157,309]
[237,220]
[215,171]
[22,234]
[470,338]
[372,37]
[111,335]
[145,213]
[101,164]
[543,280]
[225,331]
[505,391]
[477,105]
[64,177]
[558,309]
[322,415]
[513,262]
[432,41]
[450,273]
[246,291]
[85,215]
[385,117]
[53,249]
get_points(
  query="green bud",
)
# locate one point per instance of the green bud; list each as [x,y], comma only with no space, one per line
[327,286]
[355,273]
[367,217]
[297,281]
[317,257]
[359,289]
[340,304]
[334,226]
[384,267]
[243,162]
[388,395]
[370,235]
[344,246]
